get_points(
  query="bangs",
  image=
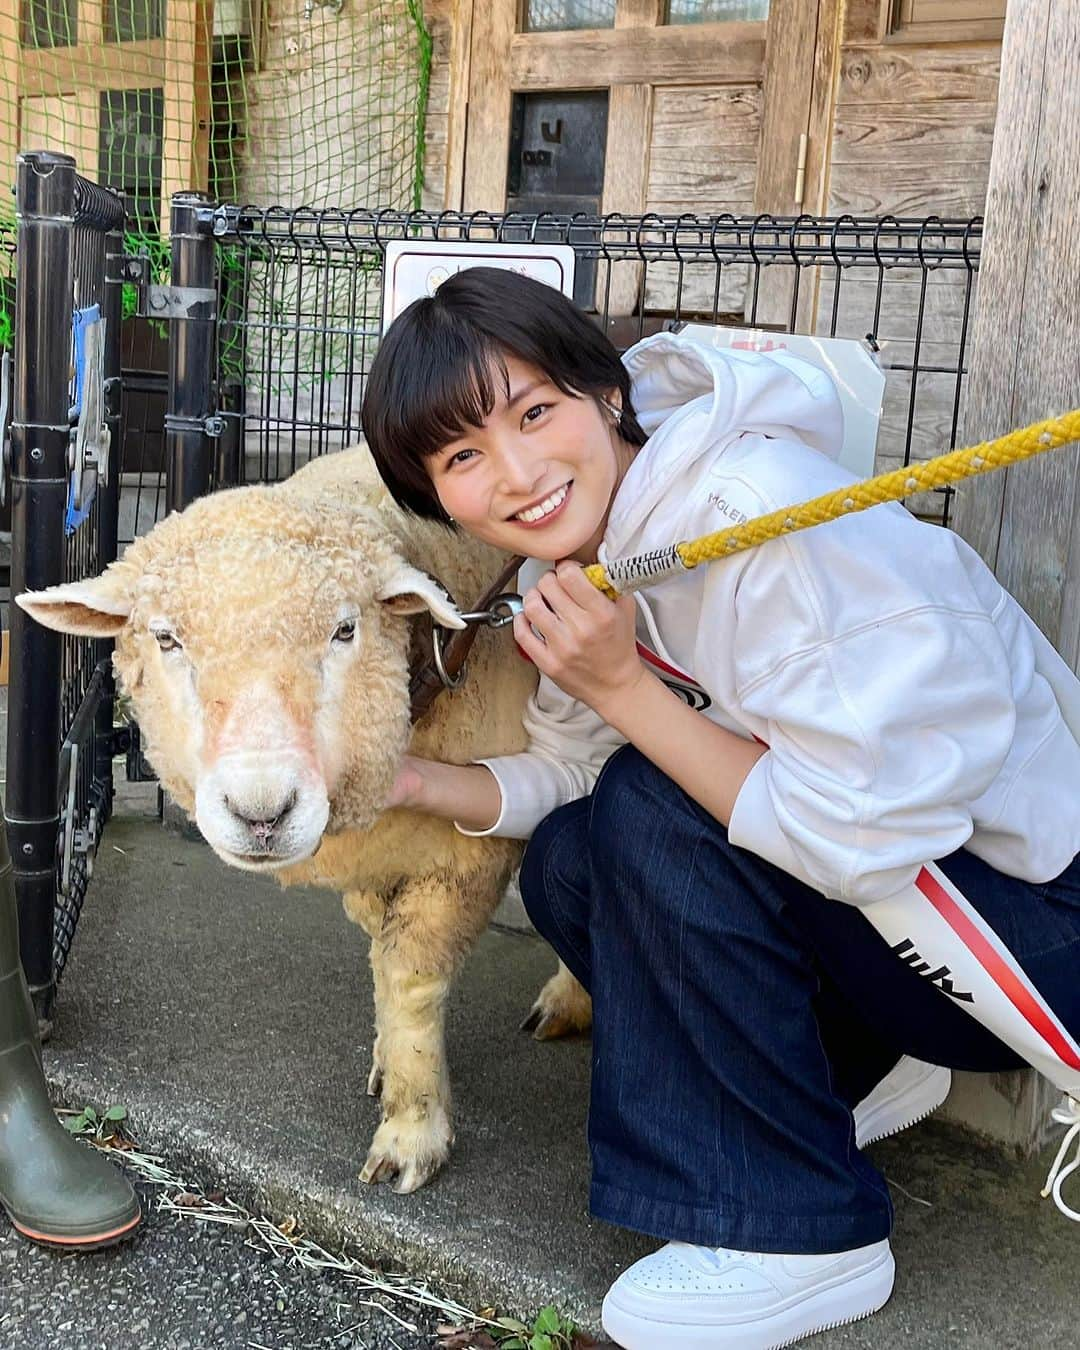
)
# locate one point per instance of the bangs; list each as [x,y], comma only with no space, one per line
[454,389]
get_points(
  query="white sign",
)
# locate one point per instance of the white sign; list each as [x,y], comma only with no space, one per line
[418,267]
[859,379]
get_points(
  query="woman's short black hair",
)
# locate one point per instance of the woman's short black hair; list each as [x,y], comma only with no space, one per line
[433,375]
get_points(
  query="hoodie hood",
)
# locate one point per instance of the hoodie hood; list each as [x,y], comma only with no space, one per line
[690,399]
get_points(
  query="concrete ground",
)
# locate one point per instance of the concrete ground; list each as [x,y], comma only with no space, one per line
[234,1021]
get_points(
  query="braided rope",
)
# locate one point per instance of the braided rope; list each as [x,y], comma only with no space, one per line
[953,467]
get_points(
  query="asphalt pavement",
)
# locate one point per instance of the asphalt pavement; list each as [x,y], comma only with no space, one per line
[184,1284]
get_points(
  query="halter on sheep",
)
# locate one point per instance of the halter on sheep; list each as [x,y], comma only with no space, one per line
[929,917]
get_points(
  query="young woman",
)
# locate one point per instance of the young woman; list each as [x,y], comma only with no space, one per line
[804,728]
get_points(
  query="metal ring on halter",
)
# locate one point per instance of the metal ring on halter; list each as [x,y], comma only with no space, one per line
[450,682]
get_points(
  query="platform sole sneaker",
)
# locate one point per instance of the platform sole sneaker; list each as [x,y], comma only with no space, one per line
[906,1095]
[700,1298]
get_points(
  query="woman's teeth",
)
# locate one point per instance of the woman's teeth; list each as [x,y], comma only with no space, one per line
[545,508]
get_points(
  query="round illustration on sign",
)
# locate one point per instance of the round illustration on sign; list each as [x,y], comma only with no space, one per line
[435,279]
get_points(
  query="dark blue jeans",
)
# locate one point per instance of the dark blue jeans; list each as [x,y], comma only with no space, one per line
[739,1015]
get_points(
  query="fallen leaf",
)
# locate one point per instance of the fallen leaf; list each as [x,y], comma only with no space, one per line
[188,1200]
[216,1198]
[288,1226]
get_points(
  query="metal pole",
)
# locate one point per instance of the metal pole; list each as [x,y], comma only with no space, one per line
[188,453]
[109,492]
[39,484]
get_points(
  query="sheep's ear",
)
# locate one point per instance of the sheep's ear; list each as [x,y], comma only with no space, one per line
[97,608]
[410,591]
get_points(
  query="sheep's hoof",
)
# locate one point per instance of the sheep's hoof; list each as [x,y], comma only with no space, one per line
[408,1152]
[563,1008]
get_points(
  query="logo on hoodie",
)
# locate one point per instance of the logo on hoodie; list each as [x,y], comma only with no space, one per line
[676,680]
[726,509]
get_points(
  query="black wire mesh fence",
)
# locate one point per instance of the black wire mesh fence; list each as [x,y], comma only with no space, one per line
[64,427]
[298,311]
[270,318]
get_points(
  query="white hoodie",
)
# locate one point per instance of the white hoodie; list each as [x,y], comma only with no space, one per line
[909,704]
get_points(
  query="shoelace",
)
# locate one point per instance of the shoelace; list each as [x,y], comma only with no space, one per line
[1068,1113]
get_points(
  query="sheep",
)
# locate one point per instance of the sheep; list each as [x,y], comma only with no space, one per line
[265,637]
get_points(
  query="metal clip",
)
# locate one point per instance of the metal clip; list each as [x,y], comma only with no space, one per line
[502,610]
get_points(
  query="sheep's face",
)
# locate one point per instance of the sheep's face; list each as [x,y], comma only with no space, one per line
[267,664]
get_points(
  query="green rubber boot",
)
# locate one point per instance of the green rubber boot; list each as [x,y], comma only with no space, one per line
[55,1190]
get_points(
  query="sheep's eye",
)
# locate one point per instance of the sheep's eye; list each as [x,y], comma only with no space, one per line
[345,631]
[167,641]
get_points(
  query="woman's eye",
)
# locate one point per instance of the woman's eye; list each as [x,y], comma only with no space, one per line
[536,412]
[167,641]
[345,631]
[461,456]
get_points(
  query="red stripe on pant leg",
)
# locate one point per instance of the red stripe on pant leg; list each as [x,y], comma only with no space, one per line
[1000,972]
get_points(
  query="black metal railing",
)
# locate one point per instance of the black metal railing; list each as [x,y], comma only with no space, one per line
[299,312]
[273,317]
[64,432]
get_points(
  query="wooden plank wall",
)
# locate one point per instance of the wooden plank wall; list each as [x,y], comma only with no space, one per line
[702,159]
[913,130]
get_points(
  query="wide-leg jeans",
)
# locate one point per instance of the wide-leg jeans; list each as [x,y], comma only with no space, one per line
[739,1015]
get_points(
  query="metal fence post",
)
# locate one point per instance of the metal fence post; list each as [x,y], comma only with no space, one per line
[39,484]
[188,451]
[109,490]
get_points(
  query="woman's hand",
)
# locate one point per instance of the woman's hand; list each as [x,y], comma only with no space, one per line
[580,639]
[408,784]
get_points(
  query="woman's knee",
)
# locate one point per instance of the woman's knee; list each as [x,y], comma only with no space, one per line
[554,868]
[634,804]
[629,785]
[662,850]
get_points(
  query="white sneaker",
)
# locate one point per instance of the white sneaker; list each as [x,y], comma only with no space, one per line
[705,1298]
[908,1093]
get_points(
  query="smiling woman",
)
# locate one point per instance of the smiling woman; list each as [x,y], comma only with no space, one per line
[479,347]
[538,477]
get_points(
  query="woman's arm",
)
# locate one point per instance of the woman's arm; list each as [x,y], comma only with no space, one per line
[466,793]
[707,761]
[586,644]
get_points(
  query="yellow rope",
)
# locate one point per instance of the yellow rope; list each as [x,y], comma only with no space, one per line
[886,487]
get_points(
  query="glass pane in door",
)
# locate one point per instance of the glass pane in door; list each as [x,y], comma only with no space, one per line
[548,16]
[716,11]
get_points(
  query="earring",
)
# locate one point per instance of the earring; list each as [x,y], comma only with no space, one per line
[610,408]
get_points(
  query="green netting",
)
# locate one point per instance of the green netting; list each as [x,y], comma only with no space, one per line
[272,102]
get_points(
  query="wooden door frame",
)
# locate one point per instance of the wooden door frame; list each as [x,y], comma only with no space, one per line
[491,60]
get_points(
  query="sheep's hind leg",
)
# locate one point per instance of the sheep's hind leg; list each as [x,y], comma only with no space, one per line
[562,1008]
[414,958]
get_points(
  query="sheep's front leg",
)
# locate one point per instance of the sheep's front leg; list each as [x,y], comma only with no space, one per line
[413,958]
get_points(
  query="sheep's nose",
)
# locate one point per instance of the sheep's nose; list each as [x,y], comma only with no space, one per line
[263,821]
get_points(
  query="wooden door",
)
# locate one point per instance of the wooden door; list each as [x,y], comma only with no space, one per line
[703,117]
